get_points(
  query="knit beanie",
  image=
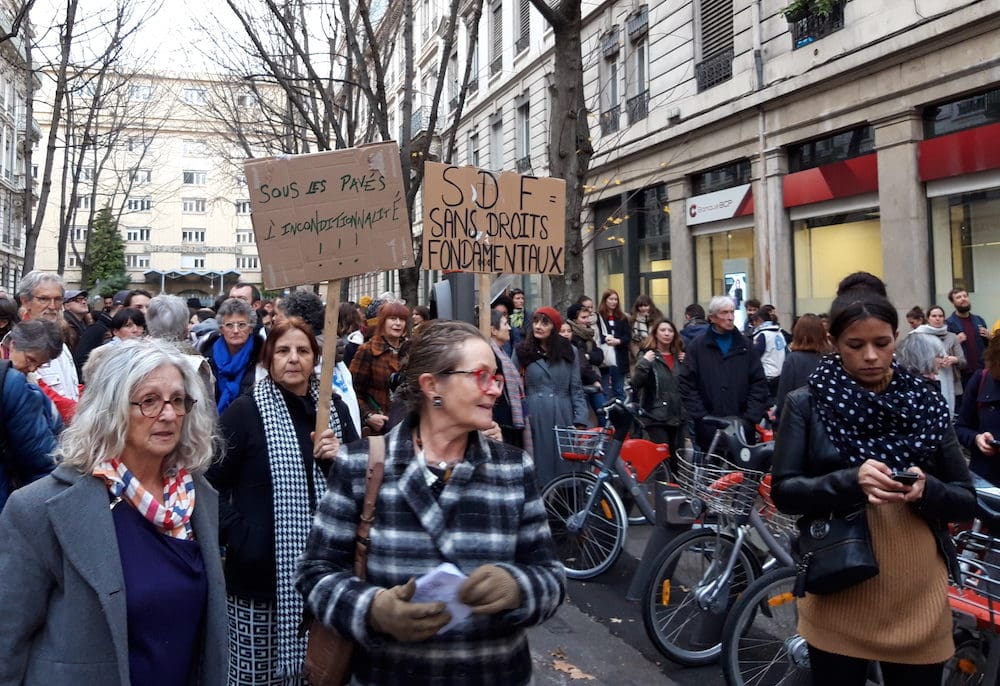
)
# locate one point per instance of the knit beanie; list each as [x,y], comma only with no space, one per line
[552,316]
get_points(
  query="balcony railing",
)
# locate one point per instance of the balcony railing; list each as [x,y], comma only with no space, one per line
[521,44]
[638,107]
[714,70]
[637,24]
[812,27]
[496,65]
[610,120]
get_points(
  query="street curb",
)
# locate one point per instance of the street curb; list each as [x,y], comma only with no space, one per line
[571,639]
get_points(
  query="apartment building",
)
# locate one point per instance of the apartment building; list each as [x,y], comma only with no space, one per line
[740,149]
[171,174]
[15,129]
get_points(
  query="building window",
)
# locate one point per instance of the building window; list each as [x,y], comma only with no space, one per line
[137,143]
[718,254]
[244,237]
[139,204]
[193,205]
[840,146]
[194,147]
[965,113]
[192,235]
[137,235]
[140,93]
[609,79]
[246,100]
[454,86]
[195,178]
[496,142]
[523,26]
[78,234]
[247,262]
[966,246]
[142,176]
[496,38]
[194,96]
[523,142]
[242,207]
[87,174]
[638,102]
[826,248]
[473,149]
[83,202]
[473,86]
[72,261]
[714,47]
[720,178]
[192,261]
[137,261]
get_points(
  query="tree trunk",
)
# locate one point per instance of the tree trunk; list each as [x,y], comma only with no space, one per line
[570,149]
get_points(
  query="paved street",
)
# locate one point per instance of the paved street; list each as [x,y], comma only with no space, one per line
[597,636]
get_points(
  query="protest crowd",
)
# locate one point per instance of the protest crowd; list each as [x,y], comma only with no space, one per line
[171,450]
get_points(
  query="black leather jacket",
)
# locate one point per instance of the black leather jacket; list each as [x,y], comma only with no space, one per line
[810,476]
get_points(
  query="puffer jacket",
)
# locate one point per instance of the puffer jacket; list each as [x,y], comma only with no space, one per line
[810,477]
[28,430]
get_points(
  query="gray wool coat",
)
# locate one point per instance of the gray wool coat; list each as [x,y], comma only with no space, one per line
[62,591]
[554,395]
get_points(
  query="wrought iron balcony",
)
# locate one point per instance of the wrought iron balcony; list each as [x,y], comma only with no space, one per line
[638,107]
[714,70]
[610,120]
[812,27]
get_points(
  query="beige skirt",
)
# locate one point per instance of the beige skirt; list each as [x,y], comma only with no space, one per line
[902,614]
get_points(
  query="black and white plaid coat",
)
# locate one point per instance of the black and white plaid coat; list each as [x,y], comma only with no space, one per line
[490,512]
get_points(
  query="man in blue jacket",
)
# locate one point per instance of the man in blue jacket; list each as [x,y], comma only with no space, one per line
[722,374]
[971,331]
[27,439]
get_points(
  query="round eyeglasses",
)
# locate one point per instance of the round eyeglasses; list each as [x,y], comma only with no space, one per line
[152,405]
[484,379]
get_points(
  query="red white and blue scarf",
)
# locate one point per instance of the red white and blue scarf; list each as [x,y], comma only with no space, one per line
[173,517]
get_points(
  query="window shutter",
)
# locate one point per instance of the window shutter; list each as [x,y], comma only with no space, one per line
[716,26]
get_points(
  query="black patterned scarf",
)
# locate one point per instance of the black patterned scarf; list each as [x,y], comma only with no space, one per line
[903,425]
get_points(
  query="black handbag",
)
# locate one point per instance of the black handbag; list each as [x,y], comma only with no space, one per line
[834,553]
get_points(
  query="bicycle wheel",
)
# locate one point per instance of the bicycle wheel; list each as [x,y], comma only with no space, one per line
[760,644]
[675,622]
[587,543]
[967,667]
[635,515]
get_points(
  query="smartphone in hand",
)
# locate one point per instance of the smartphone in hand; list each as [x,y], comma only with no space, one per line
[905,478]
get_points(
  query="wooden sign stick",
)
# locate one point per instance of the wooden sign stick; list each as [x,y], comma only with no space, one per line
[485,281]
[329,358]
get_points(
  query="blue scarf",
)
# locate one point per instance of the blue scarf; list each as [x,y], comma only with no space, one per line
[229,370]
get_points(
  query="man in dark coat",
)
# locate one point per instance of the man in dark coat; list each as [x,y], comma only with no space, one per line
[694,323]
[722,374]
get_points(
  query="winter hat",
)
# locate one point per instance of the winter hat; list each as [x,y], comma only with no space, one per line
[552,316]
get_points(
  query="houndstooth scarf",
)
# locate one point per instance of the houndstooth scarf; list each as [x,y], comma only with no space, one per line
[292,516]
[903,425]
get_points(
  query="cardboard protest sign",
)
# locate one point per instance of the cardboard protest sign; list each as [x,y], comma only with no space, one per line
[478,221]
[329,215]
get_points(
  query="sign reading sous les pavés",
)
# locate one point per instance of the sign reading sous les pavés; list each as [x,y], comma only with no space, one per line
[478,221]
[329,215]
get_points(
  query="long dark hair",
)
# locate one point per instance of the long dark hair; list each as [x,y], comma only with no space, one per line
[530,348]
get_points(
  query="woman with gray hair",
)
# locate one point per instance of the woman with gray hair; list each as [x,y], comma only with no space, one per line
[233,351]
[122,538]
[167,317]
[33,344]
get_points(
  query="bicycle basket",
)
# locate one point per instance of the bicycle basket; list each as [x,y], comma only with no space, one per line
[777,522]
[724,487]
[579,445]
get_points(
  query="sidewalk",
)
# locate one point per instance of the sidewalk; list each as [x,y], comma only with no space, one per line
[572,648]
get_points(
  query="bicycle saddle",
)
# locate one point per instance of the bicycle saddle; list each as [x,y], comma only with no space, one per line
[987,501]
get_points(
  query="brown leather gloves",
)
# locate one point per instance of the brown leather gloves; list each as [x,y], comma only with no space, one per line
[392,613]
[490,589]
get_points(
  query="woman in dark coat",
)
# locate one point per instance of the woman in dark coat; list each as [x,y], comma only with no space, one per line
[613,335]
[655,380]
[552,389]
[809,343]
[978,423]
[860,419]
[269,480]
